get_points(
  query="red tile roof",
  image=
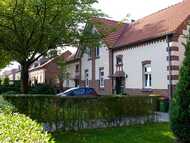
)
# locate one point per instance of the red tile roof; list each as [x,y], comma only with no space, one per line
[110,29]
[153,26]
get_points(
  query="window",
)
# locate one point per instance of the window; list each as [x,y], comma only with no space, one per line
[147,76]
[77,68]
[101,77]
[67,79]
[89,52]
[97,51]
[86,78]
[119,60]
[79,92]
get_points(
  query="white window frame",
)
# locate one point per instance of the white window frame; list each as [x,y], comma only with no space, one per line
[86,74]
[147,73]
[101,77]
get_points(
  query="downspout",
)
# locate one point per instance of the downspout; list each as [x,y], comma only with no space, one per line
[170,64]
[113,88]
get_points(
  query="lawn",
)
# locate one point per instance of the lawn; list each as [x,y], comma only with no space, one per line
[154,133]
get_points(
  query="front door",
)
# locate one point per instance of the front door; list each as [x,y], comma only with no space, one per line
[119,85]
[76,83]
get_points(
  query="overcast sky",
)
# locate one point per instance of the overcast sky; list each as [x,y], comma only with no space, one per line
[118,9]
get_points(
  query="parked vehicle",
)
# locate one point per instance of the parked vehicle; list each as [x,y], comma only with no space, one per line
[79,91]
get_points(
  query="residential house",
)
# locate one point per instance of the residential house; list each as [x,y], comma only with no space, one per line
[72,74]
[141,57]
[45,70]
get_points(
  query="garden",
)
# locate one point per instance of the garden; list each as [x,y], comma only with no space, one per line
[82,120]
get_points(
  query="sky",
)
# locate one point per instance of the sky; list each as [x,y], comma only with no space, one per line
[118,9]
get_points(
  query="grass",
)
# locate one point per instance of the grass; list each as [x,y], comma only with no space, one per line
[154,133]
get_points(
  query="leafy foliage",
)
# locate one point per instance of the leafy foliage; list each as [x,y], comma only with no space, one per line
[19,128]
[180,108]
[5,58]
[6,107]
[30,28]
[6,81]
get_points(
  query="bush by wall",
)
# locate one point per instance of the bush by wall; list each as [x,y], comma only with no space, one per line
[14,87]
[21,129]
[42,89]
[73,113]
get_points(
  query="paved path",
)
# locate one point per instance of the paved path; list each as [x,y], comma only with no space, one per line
[163,117]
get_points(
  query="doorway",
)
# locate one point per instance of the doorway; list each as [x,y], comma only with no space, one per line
[119,85]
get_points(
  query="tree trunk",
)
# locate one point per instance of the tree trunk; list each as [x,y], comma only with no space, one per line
[24,78]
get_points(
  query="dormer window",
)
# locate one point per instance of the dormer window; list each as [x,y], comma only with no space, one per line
[119,60]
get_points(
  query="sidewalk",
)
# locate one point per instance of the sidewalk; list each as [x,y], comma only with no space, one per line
[163,117]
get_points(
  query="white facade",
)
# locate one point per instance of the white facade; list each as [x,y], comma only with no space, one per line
[38,76]
[103,62]
[71,70]
[156,52]
[86,64]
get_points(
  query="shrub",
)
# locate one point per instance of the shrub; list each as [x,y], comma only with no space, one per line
[6,107]
[21,129]
[42,89]
[6,81]
[180,108]
[15,87]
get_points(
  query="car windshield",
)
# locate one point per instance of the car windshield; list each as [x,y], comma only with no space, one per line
[69,90]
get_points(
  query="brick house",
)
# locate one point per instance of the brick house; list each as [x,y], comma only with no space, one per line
[138,57]
[45,71]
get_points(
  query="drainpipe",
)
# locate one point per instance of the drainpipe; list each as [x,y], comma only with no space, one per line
[112,71]
[170,64]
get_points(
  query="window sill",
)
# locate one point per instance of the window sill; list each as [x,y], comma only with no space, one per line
[147,90]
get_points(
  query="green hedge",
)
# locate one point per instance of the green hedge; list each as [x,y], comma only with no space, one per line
[77,112]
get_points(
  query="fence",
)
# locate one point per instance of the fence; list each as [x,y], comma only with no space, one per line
[74,113]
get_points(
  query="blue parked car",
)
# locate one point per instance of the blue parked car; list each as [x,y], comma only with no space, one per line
[79,91]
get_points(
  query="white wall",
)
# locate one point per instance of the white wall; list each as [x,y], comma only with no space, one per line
[71,68]
[132,60]
[86,65]
[103,62]
[39,75]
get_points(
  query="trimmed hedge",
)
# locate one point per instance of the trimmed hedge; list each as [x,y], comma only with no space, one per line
[42,89]
[73,113]
[6,107]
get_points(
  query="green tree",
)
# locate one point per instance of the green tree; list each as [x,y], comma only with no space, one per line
[180,107]
[30,28]
[5,58]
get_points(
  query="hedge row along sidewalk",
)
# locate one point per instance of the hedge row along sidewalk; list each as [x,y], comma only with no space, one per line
[74,113]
